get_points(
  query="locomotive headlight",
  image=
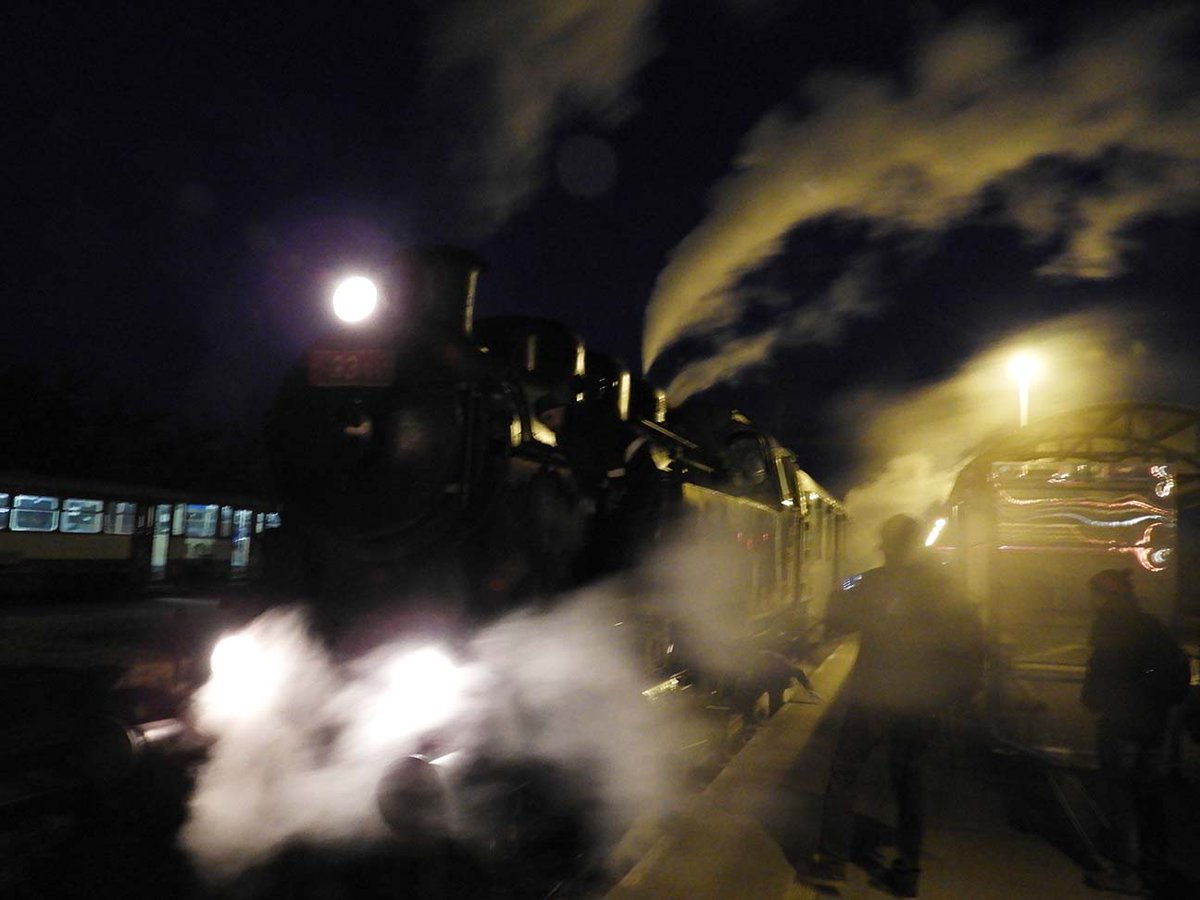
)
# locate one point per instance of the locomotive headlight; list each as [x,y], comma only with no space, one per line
[422,689]
[245,676]
[355,299]
[237,657]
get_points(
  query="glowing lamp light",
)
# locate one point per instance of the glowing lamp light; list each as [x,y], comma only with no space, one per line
[1023,368]
[355,299]
[424,689]
[244,677]
[236,657]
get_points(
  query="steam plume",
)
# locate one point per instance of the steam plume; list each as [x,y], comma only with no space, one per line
[980,111]
[560,687]
[540,60]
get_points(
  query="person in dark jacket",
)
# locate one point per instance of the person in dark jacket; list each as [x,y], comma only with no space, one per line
[1135,674]
[920,652]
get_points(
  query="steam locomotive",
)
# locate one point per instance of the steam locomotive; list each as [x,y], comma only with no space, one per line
[435,476]
[439,476]
[457,467]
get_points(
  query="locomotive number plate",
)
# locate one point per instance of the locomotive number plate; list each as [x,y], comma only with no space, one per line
[332,368]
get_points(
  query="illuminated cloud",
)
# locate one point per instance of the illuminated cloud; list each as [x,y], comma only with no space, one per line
[979,111]
[538,60]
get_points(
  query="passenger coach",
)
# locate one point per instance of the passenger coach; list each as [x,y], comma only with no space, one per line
[87,539]
[1035,514]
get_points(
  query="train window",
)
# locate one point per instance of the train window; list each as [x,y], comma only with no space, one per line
[34,513]
[179,519]
[273,520]
[226,521]
[81,516]
[120,518]
[4,501]
[258,523]
[162,519]
[201,520]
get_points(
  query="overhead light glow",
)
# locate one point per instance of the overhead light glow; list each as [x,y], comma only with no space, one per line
[355,299]
[1024,367]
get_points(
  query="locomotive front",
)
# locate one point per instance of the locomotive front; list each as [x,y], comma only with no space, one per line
[384,443]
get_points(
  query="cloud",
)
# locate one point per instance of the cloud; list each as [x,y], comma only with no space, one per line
[979,111]
[537,61]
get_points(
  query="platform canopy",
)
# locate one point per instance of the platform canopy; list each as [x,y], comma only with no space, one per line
[1110,432]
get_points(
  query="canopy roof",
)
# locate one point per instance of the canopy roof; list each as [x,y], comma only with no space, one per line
[1110,432]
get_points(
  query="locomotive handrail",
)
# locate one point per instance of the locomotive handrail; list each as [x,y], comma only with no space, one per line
[667,433]
[683,442]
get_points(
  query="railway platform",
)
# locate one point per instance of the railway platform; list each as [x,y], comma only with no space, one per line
[1000,825]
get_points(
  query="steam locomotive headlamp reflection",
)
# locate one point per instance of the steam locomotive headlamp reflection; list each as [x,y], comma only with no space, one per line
[355,299]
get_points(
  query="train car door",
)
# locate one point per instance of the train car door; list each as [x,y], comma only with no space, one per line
[161,541]
[243,524]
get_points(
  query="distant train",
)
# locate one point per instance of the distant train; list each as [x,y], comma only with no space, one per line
[1039,511]
[87,539]
[420,453]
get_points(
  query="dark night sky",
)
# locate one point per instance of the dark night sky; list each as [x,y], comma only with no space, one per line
[834,206]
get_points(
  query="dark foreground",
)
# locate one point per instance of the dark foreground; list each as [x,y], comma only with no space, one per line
[1000,825]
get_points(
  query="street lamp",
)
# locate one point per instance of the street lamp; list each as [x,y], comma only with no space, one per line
[1023,368]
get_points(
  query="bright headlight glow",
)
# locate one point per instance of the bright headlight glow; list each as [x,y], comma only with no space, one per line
[244,676]
[236,657]
[423,690]
[355,299]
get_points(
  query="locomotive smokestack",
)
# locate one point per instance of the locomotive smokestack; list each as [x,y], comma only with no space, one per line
[439,284]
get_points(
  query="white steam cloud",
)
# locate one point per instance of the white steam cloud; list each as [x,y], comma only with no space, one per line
[301,743]
[980,112]
[540,60]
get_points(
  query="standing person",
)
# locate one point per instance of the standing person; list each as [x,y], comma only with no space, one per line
[920,651]
[1135,674]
